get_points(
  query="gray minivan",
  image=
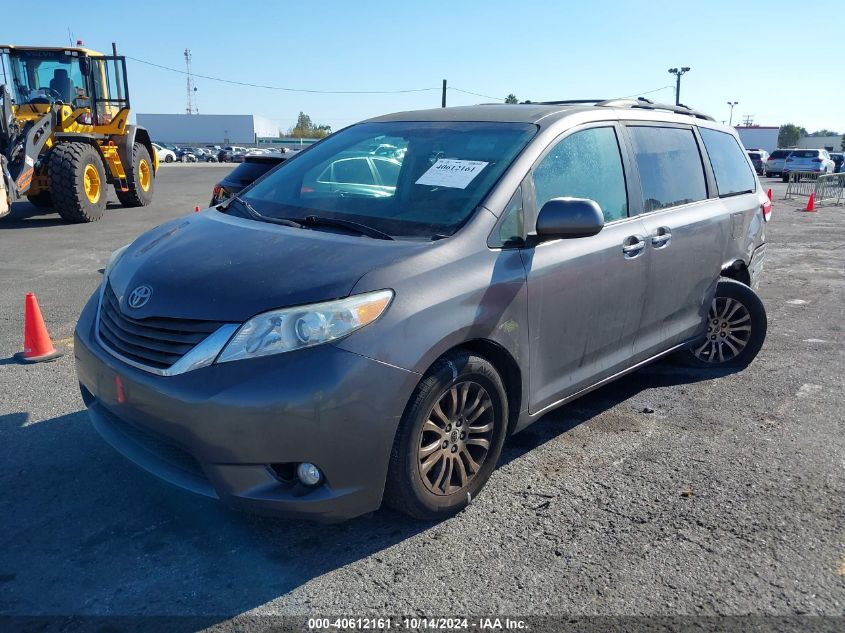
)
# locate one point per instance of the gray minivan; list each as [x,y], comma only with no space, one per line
[313,351]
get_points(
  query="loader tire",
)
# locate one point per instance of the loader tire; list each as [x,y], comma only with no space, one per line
[42,200]
[77,181]
[140,178]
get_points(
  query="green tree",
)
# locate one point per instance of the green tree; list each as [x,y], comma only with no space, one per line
[511,98]
[788,135]
[824,132]
[305,128]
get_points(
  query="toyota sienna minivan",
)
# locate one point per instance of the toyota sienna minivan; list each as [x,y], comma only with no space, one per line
[317,346]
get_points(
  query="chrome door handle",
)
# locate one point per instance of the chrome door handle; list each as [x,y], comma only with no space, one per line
[661,237]
[633,246]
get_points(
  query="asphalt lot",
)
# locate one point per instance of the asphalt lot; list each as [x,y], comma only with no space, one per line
[726,499]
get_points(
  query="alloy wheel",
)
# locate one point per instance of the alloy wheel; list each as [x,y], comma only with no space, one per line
[728,331]
[455,438]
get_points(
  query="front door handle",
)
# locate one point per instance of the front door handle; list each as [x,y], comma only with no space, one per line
[661,237]
[633,246]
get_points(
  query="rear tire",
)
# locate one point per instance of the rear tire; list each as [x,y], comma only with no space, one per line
[168,159]
[77,181]
[42,199]
[449,439]
[140,178]
[736,329]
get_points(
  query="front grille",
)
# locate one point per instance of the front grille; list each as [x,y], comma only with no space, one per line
[155,342]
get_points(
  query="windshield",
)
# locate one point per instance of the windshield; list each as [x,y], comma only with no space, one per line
[45,77]
[410,179]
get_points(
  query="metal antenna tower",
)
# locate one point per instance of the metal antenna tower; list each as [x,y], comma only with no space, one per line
[191,107]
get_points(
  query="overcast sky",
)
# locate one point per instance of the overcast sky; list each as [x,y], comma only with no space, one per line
[737,51]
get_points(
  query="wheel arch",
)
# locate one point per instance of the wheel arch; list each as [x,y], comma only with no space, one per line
[125,143]
[738,271]
[505,365]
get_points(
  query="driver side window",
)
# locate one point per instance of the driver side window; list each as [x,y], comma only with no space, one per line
[586,164]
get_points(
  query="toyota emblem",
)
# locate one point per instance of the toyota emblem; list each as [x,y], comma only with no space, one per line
[139,297]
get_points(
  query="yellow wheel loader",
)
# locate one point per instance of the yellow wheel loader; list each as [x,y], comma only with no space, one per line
[65,134]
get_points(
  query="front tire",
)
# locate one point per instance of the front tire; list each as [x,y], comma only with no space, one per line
[736,329]
[140,179]
[168,159]
[449,439]
[77,182]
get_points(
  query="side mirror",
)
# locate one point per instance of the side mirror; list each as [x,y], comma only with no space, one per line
[569,217]
[85,65]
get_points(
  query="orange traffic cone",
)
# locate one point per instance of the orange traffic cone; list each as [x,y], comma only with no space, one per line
[811,203]
[37,346]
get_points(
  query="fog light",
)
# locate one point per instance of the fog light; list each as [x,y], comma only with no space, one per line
[308,474]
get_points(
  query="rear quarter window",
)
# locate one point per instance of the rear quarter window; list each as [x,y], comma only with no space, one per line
[732,171]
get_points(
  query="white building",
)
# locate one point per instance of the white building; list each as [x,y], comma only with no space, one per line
[830,143]
[201,129]
[758,137]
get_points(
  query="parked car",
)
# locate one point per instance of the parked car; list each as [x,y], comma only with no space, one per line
[245,174]
[186,155]
[776,162]
[205,155]
[758,159]
[815,160]
[164,155]
[838,159]
[321,350]
[225,155]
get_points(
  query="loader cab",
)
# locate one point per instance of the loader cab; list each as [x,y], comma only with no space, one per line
[41,78]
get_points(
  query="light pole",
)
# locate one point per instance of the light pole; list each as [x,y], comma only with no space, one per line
[732,104]
[678,72]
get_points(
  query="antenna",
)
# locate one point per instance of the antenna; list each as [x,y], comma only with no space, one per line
[191,107]
[748,120]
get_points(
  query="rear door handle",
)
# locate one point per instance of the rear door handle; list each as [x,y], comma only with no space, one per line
[633,246]
[661,237]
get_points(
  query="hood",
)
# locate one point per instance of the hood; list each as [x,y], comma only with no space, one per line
[211,266]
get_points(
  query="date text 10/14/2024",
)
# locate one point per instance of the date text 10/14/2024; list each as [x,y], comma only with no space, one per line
[415,624]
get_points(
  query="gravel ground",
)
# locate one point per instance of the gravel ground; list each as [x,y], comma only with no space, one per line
[669,492]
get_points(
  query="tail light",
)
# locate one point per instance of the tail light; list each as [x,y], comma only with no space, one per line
[767,210]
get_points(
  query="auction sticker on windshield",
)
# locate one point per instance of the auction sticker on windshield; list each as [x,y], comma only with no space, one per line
[449,172]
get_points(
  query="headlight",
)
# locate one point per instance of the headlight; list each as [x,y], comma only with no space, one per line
[304,326]
[113,259]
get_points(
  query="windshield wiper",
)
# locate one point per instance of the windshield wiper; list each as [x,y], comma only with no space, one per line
[255,215]
[363,229]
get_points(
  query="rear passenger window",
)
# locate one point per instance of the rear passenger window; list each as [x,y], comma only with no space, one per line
[733,175]
[586,164]
[670,166]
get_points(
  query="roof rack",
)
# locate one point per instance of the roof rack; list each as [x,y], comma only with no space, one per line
[640,103]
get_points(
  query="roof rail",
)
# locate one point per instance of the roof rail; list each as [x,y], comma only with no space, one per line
[566,102]
[646,104]
[640,103]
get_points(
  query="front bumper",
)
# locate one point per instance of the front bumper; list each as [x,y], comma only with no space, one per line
[217,430]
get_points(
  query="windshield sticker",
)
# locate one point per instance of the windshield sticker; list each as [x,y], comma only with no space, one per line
[448,172]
